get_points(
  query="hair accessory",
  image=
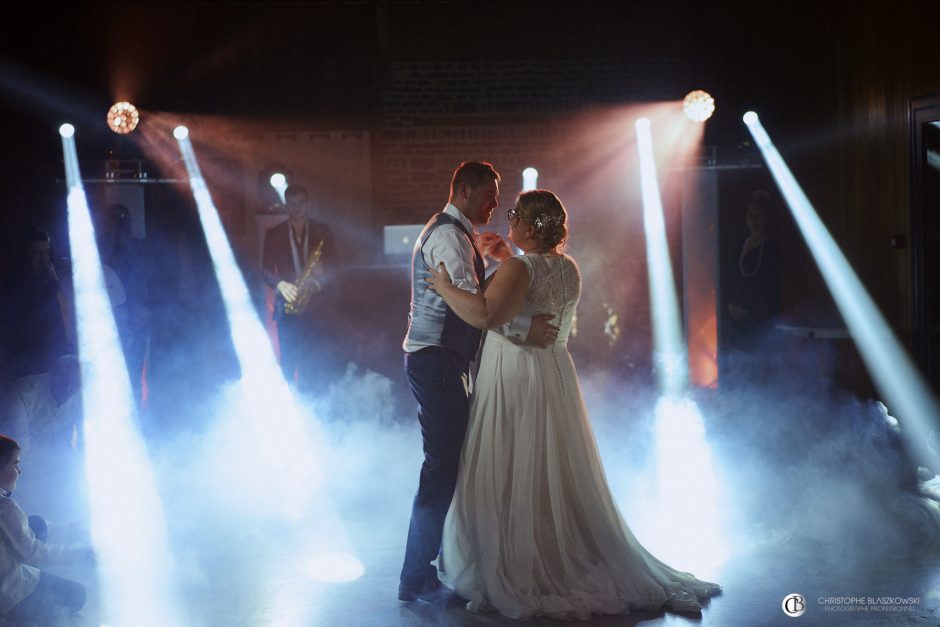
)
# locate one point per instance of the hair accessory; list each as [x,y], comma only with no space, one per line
[543,219]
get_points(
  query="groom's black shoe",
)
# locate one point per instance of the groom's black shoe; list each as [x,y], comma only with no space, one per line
[429,591]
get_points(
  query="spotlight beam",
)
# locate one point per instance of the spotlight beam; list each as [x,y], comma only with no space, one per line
[276,419]
[681,449]
[127,522]
[895,375]
[290,475]
[668,347]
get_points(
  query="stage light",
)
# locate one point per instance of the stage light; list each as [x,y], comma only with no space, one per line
[181,132]
[698,105]
[128,527]
[123,117]
[66,130]
[530,179]
[278,180]
[903,387]
[279,183]
[669,352]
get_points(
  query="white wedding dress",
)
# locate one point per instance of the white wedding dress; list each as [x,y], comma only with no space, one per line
[533,529]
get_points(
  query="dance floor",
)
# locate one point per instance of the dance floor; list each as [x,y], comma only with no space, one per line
[754,587]
[809,519]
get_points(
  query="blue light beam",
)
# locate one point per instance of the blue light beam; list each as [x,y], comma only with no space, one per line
[682,451]
[681,448]
[128,526]
[289,486]
[895,375]
[270,409]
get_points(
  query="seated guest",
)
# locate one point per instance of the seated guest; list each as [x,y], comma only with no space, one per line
[44,410]
[28,594]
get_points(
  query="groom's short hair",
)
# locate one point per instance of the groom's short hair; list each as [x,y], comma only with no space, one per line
[474,173]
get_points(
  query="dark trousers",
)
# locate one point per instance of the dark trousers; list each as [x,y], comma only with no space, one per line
[292,339]
[308,355]
[439,379]
[54,597]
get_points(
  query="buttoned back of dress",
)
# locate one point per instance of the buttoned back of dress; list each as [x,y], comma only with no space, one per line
[554,287]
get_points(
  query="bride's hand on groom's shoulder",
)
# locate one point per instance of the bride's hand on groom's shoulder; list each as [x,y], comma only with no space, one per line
[439,278]
[492,245]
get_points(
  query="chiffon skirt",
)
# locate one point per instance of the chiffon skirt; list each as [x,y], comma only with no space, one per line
[533,529]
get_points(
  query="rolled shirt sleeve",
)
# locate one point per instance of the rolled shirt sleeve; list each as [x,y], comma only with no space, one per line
[448,244]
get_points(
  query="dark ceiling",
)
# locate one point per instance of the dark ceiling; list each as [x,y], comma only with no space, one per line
[325,62]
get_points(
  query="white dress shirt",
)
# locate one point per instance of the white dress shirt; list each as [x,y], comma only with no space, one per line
[449,244]
[20,553]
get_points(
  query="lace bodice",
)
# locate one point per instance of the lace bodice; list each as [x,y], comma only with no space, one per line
[554,287]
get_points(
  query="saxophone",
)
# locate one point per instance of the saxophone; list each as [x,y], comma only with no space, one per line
[306,284]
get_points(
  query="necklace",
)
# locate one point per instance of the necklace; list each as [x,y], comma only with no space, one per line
[760,256]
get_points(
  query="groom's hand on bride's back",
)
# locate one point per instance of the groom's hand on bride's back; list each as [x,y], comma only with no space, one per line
[542,332]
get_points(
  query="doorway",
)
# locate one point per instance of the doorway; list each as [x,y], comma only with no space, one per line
[925,234]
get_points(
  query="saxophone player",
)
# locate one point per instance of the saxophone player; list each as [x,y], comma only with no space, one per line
[295,250]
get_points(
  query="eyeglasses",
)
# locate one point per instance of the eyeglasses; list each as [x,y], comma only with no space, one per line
[513,214]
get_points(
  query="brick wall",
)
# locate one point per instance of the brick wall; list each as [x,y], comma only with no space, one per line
[571,119]
[435,114]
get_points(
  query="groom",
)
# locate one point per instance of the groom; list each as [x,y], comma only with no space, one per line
[439,348]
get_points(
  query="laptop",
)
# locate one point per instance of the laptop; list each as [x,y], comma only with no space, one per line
[399,239]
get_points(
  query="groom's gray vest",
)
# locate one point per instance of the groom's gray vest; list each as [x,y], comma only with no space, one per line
[430,320]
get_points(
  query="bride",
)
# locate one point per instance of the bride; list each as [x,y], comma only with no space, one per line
[533,529]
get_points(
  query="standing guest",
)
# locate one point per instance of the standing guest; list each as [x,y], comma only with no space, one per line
[754,295]
[36,314]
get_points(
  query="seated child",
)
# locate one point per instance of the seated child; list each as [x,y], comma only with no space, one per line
[28,594]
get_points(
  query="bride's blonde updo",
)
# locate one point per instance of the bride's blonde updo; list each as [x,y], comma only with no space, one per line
[542,209]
